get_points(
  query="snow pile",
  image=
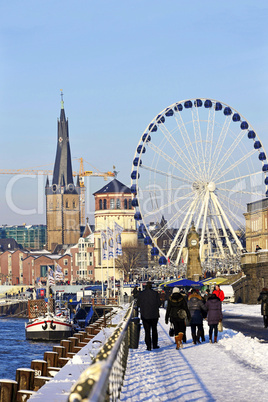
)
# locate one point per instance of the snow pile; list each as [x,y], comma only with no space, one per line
[245,349]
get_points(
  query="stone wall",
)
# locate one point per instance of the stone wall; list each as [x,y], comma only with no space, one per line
[19,309]
[255,268]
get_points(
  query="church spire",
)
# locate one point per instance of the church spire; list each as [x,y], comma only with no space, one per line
[62,102]
[63,165]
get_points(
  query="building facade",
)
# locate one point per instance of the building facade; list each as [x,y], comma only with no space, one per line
[113,203]
[62,196]
[83,259]
[28,236]
[11,268]
[256,225]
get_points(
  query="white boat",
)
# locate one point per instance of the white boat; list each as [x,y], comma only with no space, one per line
[46,322]
[49,327]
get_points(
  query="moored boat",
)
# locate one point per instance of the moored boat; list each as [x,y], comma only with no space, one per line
[46,323]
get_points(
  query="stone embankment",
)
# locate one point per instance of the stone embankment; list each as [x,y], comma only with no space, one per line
[14,308]
[53,377]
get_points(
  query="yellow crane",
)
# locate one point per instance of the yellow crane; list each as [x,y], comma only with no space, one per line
[82,174]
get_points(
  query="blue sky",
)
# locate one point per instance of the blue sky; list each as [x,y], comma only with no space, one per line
[119,64]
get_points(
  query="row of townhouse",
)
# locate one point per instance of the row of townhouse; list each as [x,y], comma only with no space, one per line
[23,267]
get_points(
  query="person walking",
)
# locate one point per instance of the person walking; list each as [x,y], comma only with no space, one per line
[206,295]
[177,312]
[218,292]
[196,307]
[135,292]
[149,303]
[214,315]
[264,305]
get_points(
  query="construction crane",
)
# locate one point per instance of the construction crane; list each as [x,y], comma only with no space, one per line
[82,174]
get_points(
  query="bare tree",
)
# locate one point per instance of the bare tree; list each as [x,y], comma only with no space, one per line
[133,258]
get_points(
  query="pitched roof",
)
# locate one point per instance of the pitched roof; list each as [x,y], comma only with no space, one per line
[9,244]
[87,231]
[115,186]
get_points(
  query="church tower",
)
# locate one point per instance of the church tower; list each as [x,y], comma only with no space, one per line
[62,196]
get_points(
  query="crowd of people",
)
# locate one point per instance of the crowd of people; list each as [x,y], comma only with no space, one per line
[181,310]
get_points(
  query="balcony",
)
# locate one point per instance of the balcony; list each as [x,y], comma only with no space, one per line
[254,258]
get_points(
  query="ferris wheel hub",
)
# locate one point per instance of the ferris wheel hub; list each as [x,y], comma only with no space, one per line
[211,186]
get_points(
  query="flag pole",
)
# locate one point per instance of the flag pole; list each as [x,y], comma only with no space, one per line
[114,256]
[101,266]
[107,289]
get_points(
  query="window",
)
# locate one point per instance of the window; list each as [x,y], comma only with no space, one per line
[112,203]
[66,204]
[90,262]
[65,262]
[74,204]
[43,270]
[100,204]
[130,204]
[90,272]
[118,203]
[104,204]
[66,272]
[125,203]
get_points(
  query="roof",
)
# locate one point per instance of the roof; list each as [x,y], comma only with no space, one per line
[87,231]
[115,186]
[257,205]
[9,245]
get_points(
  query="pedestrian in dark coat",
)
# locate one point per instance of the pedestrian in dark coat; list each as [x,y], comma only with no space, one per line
[264,305]
[176,304]
[135,292]
[149,303]
[196,306]
[214,315]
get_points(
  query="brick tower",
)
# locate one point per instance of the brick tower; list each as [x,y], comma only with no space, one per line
[62,196]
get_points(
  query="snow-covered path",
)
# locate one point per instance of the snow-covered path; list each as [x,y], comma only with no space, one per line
[235,368]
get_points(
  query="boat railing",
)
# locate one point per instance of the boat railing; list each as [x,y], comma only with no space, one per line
[99,300]
[103,379]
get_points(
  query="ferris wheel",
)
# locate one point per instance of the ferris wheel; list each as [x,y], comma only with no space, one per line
[200,161]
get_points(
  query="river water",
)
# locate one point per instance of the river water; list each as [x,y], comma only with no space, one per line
[15,350]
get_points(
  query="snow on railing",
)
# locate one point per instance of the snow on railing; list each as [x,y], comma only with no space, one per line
[103,380]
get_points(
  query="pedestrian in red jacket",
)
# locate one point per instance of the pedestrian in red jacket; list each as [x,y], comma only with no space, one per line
[218,292]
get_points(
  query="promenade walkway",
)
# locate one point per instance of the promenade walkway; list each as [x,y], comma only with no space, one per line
[205,372]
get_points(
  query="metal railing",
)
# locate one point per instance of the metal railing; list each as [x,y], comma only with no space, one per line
[103,380]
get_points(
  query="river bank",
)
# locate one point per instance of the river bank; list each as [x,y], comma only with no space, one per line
[13,308]
[15,350]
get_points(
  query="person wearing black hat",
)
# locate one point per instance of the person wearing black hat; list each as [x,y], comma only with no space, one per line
[149,303]
[177,312]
